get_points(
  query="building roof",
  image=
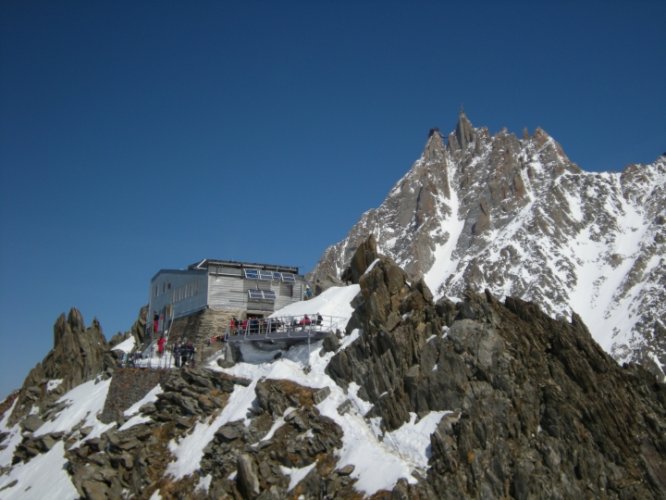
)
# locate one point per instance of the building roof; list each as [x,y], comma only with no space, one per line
[177,271]
[205,263]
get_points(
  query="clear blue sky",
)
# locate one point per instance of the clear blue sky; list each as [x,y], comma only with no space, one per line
[143,135]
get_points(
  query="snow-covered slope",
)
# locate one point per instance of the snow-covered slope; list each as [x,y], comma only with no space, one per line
[517,217]
[401,452]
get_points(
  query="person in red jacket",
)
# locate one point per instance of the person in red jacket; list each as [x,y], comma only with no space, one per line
[160,345]
[305,321]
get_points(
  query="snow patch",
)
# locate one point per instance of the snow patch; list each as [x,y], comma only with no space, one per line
[52,385]
[126,345]
[85,402]
[13,438]
[296,475]
[445,263]
[204,483]
[44,476]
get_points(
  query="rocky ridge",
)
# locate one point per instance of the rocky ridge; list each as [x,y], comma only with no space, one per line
[539,409]
[517,217]
[79,354]
[532,407]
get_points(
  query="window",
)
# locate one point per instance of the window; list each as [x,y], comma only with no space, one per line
[266,275]
[288,278]
[263,295]
[251,274]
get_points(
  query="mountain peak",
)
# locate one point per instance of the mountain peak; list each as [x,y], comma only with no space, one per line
[434,149]
[79,354]
[464,130]
[516,216]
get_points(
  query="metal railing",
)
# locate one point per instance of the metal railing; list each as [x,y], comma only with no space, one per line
[284,326]
[299,327]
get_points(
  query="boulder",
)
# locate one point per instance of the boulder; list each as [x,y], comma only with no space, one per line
[246,479]
[31,423]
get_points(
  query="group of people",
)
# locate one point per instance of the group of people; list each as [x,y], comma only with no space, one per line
[307,321]
[254,325]
[183,352]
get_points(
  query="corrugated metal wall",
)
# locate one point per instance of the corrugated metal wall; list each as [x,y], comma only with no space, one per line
[184,291]
[226,292]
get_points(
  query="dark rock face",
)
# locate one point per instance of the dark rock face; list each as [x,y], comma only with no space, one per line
[538,408]
[79,354]
[544,411]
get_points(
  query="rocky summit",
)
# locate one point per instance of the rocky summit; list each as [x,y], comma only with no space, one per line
[515,216]
[416,399]
[79,354]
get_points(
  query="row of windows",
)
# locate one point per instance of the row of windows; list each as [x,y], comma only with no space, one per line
[180,293]
[259,274]
[186,291]
[192,289]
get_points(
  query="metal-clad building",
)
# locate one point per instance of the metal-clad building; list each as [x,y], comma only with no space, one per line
[239,288]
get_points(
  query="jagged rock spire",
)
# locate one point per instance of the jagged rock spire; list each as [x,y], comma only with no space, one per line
[464,130]
[434,150]
[79,354]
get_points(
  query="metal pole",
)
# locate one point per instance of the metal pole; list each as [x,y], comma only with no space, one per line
[309,350]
